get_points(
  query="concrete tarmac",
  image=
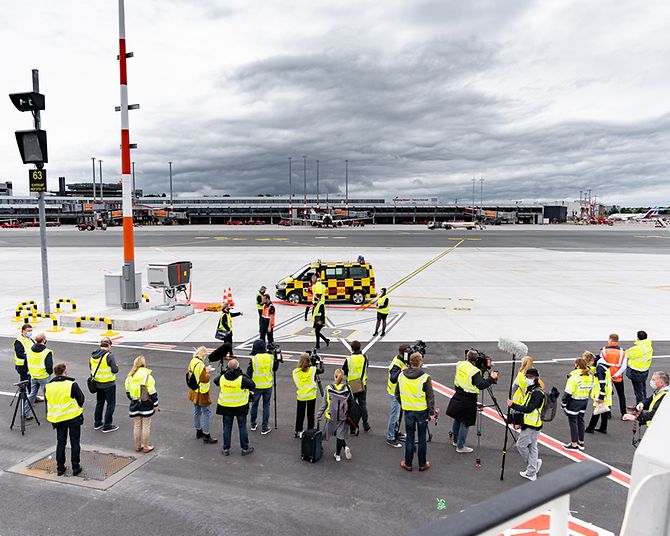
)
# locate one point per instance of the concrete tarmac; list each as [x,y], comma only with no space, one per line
[190,488]
[637,238]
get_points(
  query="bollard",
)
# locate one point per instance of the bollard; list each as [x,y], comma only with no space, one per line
[109,332]
[66,300]
[77,330]
[20,309]
[145,298]
[106,321]
[55,327]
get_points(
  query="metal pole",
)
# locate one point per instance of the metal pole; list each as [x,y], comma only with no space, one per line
[93,164]
[171,202]
[133,195]
[481,194]
[42,213]
[128,290]
[101,194]
[317,184]
[290,190]
[473,199]
[346,186]
[304,175]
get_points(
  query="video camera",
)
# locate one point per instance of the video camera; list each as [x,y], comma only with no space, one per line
[483,362]
[22,384]
[275,350]
[314,358]
[417,346]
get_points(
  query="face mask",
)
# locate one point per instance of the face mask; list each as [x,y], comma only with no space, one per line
[652,384]
[29,333]
[531,381]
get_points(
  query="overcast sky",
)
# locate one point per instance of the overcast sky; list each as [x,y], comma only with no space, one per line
[541,99]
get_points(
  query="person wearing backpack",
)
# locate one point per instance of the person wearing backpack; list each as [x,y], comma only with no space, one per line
[197,380]
[531,407]
[356,370]
[335,408]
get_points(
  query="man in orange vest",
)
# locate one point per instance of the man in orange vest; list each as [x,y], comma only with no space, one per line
[267,320]
[615,358]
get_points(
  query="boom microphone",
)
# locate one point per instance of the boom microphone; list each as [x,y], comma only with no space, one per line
[513,347]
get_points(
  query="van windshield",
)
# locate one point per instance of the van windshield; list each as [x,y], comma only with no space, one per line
[299,272]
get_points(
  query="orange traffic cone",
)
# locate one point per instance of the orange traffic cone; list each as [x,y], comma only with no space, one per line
[231,302]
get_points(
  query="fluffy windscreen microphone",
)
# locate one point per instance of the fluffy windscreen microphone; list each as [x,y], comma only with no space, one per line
[513,347]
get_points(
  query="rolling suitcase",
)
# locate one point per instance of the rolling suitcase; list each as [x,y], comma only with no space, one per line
[310,445]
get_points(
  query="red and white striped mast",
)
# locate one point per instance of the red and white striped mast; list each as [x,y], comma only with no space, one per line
[128,290]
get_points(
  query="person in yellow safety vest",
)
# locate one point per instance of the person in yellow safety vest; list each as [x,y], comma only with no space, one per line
[22,345]
[224,331]
[202,412]
[649,406]
[415,394]
[259,299]
[141,391]
[383,308]
[267,328]
[65,407]
[319,320]
[356,371]
[639,360]
[335,407]
[578,391]
[393,434]
[233,403]
[103,369]
[304,378]
[462,407]
[531,408]
[40,367]
[602,395]
[261,369]
[309,293]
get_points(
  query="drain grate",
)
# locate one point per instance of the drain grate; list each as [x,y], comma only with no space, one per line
[96,465]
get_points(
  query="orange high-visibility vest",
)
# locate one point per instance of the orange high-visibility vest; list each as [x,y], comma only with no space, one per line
[615,356]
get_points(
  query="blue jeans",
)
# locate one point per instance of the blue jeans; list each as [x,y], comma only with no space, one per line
[393,417]
[460,433]
[416,421]
[201,417]
[228,431]
[34,389]
[267,397]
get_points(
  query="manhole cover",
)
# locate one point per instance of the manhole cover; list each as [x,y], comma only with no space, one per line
[96,465]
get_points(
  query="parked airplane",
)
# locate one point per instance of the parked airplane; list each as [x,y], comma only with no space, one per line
[326,219]
[650,214]
[468,225]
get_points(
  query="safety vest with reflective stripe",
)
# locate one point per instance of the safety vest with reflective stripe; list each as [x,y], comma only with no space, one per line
[597,387]
[104,374]
[229,321]
[196,367]
[412,395]
[390,386]
[232,395]
[383,305]
[317,307]
[318,288]
[616,357]
[262,367]
[534,418]
[580,386]
[465,371]
[640,355]
[356,366]
[657,398]
[135,382]
[522,385]
[259,300]
[36,365]
[60,404]
[305,383]
[27,344]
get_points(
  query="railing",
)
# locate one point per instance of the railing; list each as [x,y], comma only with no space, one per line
[109,333]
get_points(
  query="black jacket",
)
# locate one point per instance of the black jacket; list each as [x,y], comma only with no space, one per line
[535,402]
[20,352]
[395,371]
[463,406]
[230,375]
[412,374]
[111,361]
[76,393]
[48,361]
[320,313]
[259,347]
[646,415]
[225,324]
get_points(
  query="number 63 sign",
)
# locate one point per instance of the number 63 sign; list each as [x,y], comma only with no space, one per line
[37,178]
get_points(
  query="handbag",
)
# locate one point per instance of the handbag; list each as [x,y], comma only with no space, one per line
[221,334]
[356,386]
[599,409]
[90,381]
[144,394]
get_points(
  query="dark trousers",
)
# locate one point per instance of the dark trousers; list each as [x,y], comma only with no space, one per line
[307,311]
[416,421]
[639,381]
[266,395]
[305,407]
[361,399]
[105,396]
[23,375]
[62,430]
[319,336]
[339,445]
[381,319]
[265,331]
[228,431]
[576,423]
[621,395]
[603,417]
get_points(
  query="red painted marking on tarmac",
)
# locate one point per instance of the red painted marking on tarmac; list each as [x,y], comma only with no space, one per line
[616,475]
[161,346]
[539,525]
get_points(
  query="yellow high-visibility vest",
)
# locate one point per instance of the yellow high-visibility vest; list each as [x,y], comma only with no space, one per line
[534,418]
[104,374]
[142,377]
[412,395]
[656,399]
[318,288]
[522,384]
[305,383]
[579,386]
[383,305]
[640,355]
[60,404]
[196,366]
[262,367]
[232,395]
[27,344]
[465,371]
[390,386]
[36,364]
[356,362]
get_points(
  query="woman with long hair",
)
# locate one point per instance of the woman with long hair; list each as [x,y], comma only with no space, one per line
[575,401]
[141,391]
[520,382]
[304,378]
[333,409]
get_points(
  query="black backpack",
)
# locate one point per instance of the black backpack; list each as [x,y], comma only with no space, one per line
[550,403]
[192,382]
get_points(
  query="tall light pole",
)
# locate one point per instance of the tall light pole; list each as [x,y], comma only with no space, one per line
[171,202]
[304,176]
[133,167]
[93,164]
[128,290]
[481,193]
[101,194]
[473,198]
[346,186]
[290,190]
[317,184]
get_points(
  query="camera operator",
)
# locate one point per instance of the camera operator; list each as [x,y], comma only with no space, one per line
[260,369]
[649,406]
[393,435]
[233,403]
[469,380]
[416,397]
[356,370]
[531,407]
[22,345]
[304,378]
[40,367]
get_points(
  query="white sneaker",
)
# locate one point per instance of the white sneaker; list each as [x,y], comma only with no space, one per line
[454,443]
[464,450]
[539,465]
[347,453]
[531,478]
[254,427]
[337,457]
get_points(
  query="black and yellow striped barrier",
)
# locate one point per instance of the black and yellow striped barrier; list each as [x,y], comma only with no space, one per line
[21,307]
[109,333]
[145,298]
[35,315]
[66,300]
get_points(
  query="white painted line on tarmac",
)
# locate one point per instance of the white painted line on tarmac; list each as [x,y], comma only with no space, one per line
[554,360]
[7,393]
[390,325]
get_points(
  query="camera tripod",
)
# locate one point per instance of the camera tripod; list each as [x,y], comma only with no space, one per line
[480,409]
[21,400]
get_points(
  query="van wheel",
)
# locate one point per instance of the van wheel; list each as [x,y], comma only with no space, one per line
[357,298]
[294,297]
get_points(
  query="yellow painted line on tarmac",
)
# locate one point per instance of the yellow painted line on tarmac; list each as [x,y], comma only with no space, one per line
[221,238]
[281,239]
[322,237]
[414,273]
[473,239]
[338,237]
[263,239]
[653,236]
[202,237]
[239,238]
[400,306]
[424,297]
